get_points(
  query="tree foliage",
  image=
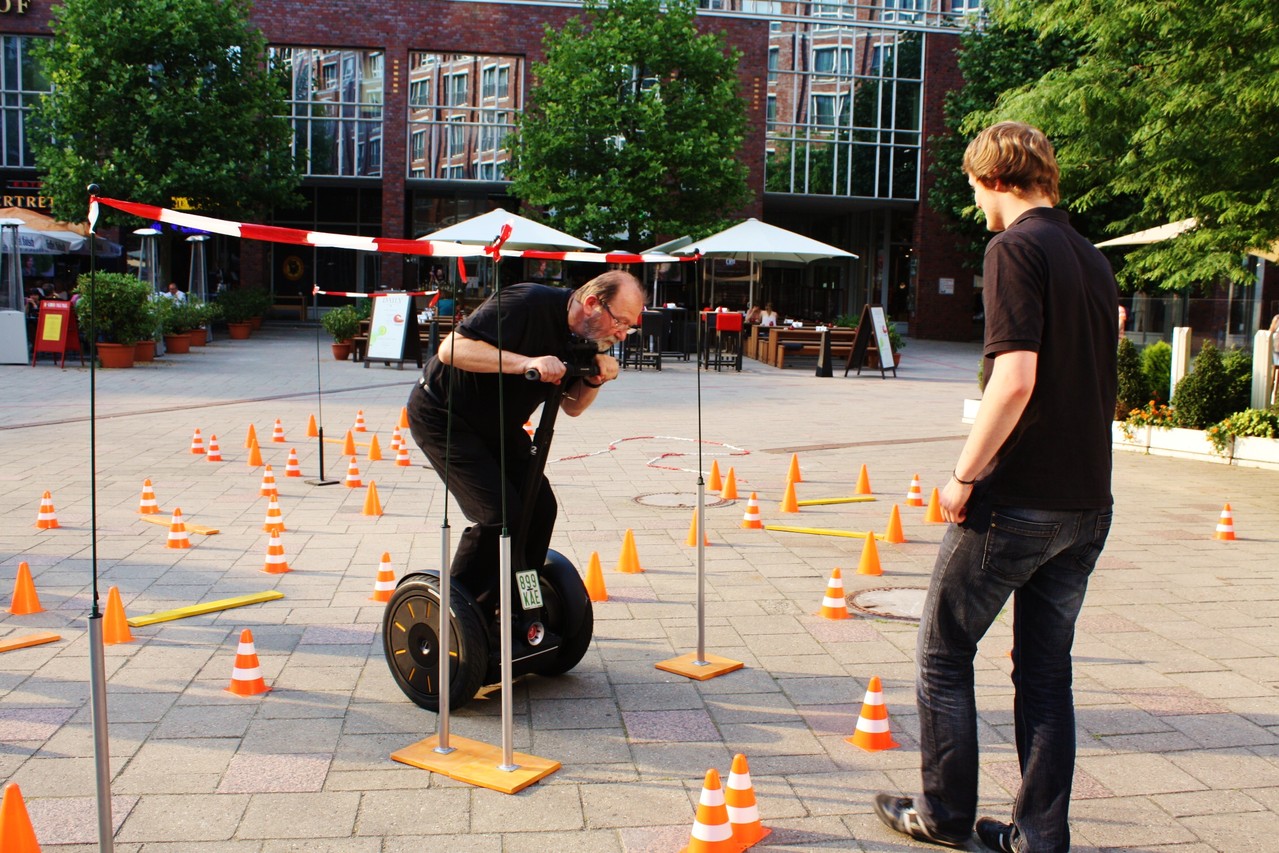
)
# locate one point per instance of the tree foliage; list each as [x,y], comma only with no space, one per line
[635,125]
[161,99]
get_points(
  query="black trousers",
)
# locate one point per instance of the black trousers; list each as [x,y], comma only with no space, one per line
[475,480]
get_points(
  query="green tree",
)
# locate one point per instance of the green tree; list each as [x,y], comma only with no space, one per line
[635,125]
[161,99]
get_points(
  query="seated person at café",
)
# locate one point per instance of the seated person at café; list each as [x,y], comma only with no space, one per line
[753,315]
[768,317]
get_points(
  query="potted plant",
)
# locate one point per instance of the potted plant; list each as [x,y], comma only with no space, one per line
[175,324]
[259,304]
[342,324]
[237,308]
[115,305]
[202,316]
[144,349]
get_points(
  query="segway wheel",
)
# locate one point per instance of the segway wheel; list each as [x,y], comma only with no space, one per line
[568,613]
[410,640]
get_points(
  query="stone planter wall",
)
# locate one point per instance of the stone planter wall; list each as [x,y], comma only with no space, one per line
[1185,444]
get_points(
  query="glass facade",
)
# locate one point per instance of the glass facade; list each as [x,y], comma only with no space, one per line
[335,105]
[22,83]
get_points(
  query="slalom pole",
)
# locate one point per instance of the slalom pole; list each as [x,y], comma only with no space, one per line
[319,396]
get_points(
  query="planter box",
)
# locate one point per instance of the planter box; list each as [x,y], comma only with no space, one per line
[1256,453]
[1139,443]
[1185,444]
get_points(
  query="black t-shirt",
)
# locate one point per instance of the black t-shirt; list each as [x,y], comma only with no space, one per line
[534,322]
[1050,291]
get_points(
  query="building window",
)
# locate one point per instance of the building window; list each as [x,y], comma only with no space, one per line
[830,61]
[335,107]
[457,87]
[772,113]
[824,110]
[496,82]
[774,56]
[417,148]
[493,130]
[903,10]
[21,85]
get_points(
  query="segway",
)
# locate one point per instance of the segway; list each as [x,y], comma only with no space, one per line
[552,620]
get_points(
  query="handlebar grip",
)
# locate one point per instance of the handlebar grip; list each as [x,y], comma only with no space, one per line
[533,374]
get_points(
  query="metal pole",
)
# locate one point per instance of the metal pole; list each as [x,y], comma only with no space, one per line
[701,570]
[319,396]
[446,589]
[504,616]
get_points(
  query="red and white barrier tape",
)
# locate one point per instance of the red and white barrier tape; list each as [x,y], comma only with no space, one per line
[315,291]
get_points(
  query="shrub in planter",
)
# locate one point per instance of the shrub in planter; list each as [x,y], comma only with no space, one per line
[1209,393]
[1156,363]
[237,306]
[342,323]
[1132,381]
[177,318]
[1250,423]
[258,299]
[118,306]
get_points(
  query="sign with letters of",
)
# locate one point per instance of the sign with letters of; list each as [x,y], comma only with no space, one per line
[393,330]
[56,330]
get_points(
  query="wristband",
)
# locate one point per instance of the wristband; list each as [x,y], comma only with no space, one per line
[954,475]
[585,381]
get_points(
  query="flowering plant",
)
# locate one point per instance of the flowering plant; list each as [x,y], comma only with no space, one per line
[1255,423]
[1154,414]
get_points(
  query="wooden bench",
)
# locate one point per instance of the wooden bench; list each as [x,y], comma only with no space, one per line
[783,342]
[290,303]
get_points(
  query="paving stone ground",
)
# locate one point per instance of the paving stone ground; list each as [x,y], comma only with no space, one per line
[1175,675]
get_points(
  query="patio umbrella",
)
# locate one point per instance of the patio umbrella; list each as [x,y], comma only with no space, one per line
[525,233]
[70,238]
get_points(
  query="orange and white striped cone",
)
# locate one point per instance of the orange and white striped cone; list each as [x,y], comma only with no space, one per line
[178,537]
[752,520]
[197,443]
[729,492]
[292,468]
[250,438]
[834,604]
[528,429]
[353,475]
[384,586]
[268,489]
[402,455]
[46,518]
[712,833]
[215,452]
[275,563]
[743,812]
[1225,525]
[396,440]
[274,519]
[147,504]
[932,515]
[246,675]
[915,494]
[872,733]
[277,432]
[359,422]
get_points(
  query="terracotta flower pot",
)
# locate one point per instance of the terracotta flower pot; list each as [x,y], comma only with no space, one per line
[342,351]
[199,337]
[177,344]
[144,351]
[115,355]
[239,331]
[256,323]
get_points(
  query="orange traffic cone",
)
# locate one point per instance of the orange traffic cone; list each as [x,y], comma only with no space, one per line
[246,675]
[277,432]
[353,475]
[863,482]
[25,601]
[712,833]
[115,625]
[46,518]
[348,444]
[268,489]
[869,563]
[375,450]
[292,468]
[178,537]
[404,417]
[743,813]
[274,519]
[359,422]
[793,475]
[372,504]
[894,534]
[250,438]
[395,439]
[528,429]
[834,605]
[915,495]
[933,514]
[275,563]
[312,431]
[751,520]
[402,455]
[872,733]
[255,455]
[215,452]
[385,583]
[789,502]
[17,835]
[595,579]
[1225,525]
[147,504]
[691,541]
[729,492]
[197,443]
[715,483]
[628,561]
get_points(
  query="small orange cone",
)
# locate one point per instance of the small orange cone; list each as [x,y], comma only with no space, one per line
[528,429]
[372,504]
[894,535]
[46,518]
[395,439]
[246,675]
[312,431]
[348,444]
[730,487]
[292,468]
[834,605]
[402,455]
[869,563]
[743,813]
[17,835]
[255,455]
[275,563]
[691,541]
[197,443]
[1225,525]
[115,625]
[384,586]
[789,502]
[932,515]
[628,561]
[404,417]
[277,432]
[147,504]
[215,452]
[251,438]
[915,495]
[359,422]
[268,489]
[353,475]
[375,450]
[863,482]
[872,733]
[752,520]
[274,519]
[715,483]
[595,579]
[25,601]
[793,475]
[712,833]
[178,537]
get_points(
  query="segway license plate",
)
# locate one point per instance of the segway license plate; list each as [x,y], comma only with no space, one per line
[530,589]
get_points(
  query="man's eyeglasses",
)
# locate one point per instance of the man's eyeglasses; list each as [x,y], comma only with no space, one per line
[630,330]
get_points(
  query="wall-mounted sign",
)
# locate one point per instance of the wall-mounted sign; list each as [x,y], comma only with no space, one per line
[9,7]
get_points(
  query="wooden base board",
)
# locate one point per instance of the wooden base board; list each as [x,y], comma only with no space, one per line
[9,644]
[476,763]
[166,521]
[689,667]
[206,607]
[852,499]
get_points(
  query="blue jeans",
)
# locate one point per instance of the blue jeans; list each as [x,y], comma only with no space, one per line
[1043,559]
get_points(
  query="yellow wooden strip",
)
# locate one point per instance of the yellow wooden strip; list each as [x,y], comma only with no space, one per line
[856,499]
[206,607]
[343,441]
[167,520]
[821,531]
[10,643]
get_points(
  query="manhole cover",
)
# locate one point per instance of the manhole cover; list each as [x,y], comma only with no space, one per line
[677,500]
[904,603]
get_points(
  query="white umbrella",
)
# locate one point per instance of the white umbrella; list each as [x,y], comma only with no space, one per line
[525,233]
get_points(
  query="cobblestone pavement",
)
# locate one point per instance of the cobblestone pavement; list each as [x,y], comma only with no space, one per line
[1176,665]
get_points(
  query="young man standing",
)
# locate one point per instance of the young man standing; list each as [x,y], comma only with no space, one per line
[1029,504]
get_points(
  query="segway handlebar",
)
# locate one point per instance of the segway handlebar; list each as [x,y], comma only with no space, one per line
[583,363]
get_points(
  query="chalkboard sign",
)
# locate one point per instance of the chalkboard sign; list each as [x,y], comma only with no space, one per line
[393,331]
[872,336]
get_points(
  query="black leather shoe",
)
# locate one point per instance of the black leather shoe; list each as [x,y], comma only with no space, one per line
[996,835]
[899,813]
